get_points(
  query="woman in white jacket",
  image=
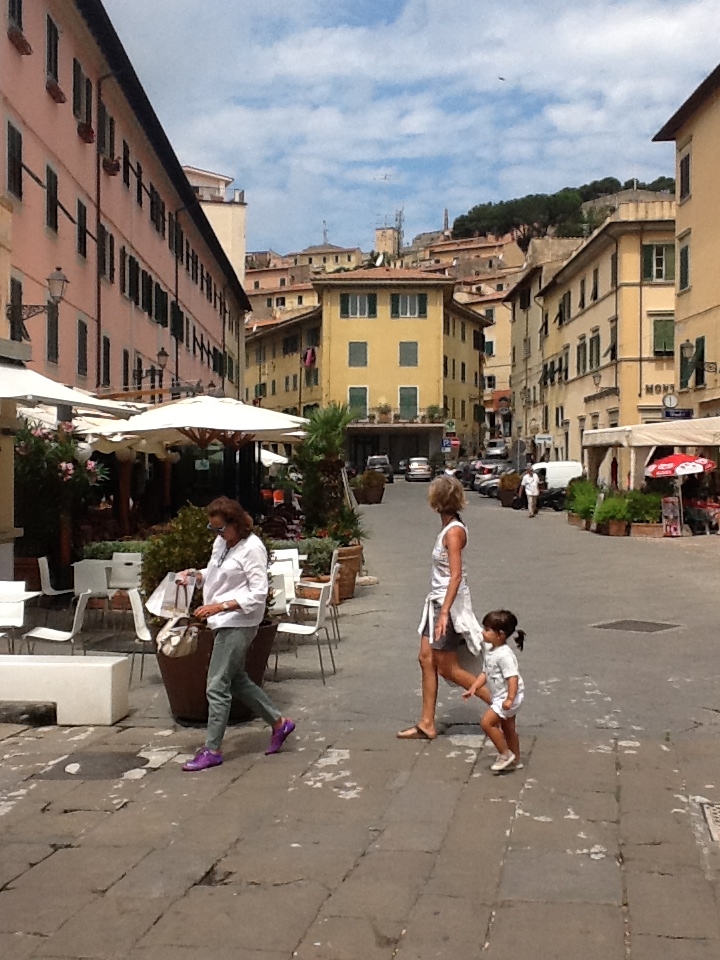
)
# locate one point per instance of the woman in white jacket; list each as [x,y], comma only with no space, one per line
[447,621]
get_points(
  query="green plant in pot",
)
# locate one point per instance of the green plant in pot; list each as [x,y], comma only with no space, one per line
[613,513]
[434,413]
[644,507]
[370,487]
[582,497]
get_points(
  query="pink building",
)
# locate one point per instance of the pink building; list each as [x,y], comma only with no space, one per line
[97,189]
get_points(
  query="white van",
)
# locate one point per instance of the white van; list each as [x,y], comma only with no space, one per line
[558,473]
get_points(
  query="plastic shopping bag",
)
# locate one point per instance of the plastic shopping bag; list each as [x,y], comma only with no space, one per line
[171,599]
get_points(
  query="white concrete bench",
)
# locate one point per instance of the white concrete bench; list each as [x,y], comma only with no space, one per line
[88,691]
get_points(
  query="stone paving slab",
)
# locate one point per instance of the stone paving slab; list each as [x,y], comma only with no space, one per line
[18,946]
[349,938]
[528,931]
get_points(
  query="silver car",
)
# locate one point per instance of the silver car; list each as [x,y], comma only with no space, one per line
[418,468]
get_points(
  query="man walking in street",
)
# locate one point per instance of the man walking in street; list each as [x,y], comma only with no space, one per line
[530,485]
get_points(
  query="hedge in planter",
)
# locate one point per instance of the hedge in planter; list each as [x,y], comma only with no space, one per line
[612,515]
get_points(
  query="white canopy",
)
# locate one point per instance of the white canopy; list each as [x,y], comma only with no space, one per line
[700,432]
[28,387]
[202,420]
[269,458]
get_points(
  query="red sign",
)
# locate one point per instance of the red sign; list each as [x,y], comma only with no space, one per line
[454,442]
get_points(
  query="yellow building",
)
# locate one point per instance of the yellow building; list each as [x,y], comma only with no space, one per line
[607,331]
[695,129]
[327,258]
[394,345]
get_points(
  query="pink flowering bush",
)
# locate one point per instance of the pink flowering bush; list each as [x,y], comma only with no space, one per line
[51,480]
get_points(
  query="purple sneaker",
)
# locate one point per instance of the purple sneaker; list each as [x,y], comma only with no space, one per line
[203,760]
[279,736]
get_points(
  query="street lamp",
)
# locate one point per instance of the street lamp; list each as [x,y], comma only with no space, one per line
[18,313]
[689,352]
[162,358]
[597,379]
[687,349]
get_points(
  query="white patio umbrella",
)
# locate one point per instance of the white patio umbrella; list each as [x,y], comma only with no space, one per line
[29,387]
[269,458]
[204,420]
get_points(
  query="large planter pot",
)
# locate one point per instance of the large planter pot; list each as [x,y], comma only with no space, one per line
[350,560]
[602,529]
[574,519]
[185,678]
[585,524]
[617,528]
[506,497]
[646,530]
[26,568]
[360,494]
[313,593]
[374,494]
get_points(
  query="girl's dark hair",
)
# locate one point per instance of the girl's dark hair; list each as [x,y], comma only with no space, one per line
[231,512]
[503,621]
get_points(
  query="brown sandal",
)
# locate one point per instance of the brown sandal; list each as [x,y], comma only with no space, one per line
[414,733]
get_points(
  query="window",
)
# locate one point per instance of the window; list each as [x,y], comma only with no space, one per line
[279,301]
[312,337]
[408,397]
[445,366]
[273,387]
[157,213]
[106,254]
[260,390]
[256,284]
[82,348]
[282,281]
[446,326]
[613,270]
[295,381]
[490,314]
[524,298]
[564,309]
[15,13]
[463,372]
[454,368]
[139,191]
[260,354]
[126,165]
[581,297]
[14,161]
[82,94]
[287,384]
[462,409]
[684,282]
[105,381]
[53,333]
[358,305]
[358,402]
[408,304]
[408,353]
[700,362]
[125,370]
[463,333]
[51,199]
[594,351]
[357,353]
[53,39]
[663,336]
[268,302]
[291,345]
[581,357]
[300,300]
[312,377]
[81,229]
[658,262]
[685,176]
[595,293]
[566,364]
[527,347]
[489,348]
[134,280]
[452,407]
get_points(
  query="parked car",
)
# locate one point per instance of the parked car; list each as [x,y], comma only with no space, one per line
[418,468]
[381,464]
[496,448]
[488,486]
[486,469]
[557,474]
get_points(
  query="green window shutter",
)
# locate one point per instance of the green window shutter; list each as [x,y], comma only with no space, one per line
[408,403]
[357,401]
[394,304]
[408,353]
[357,353]
[684,267]
[422,304]
[648,255]
[699,362]
[344,304]
[670,262]
[372,304]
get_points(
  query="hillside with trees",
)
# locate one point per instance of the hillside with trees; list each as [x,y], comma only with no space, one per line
[558,214]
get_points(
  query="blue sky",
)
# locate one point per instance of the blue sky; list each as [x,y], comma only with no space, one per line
[347,111]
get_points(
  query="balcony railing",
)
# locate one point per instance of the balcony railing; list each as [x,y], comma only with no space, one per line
[386,414]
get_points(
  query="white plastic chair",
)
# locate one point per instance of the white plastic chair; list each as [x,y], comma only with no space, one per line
[287,568]
[48,590]
[289,553]
[279,605]
[125,571]
[311,630]
[93,577]
[301,603]
[60,636]
[142,633]
[12,616]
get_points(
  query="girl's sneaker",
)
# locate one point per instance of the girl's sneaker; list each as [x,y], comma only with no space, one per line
[203,760]
[502,763]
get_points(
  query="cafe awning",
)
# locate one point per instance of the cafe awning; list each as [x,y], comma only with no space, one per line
[29,387]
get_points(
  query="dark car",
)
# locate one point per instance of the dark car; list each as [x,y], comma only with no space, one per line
[381,464]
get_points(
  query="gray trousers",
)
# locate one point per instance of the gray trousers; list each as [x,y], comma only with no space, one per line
[227,679]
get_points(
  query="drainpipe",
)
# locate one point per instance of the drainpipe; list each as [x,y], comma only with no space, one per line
[617,318]
[98,224]
[640,319]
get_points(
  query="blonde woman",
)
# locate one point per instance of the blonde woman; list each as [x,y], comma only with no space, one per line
[447,621]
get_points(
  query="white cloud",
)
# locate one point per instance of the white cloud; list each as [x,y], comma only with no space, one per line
[348,111]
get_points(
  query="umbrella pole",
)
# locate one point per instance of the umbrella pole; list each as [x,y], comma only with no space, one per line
[678,480]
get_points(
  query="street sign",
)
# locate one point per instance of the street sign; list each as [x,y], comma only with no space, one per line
[679,413]
[454,442]
[446,445]
[449,426]
[543,438]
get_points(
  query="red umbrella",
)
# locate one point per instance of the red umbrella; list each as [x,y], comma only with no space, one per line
[679,465]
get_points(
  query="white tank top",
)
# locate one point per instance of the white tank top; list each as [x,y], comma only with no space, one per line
[440,576]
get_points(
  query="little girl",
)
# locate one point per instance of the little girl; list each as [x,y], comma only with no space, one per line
[502,676]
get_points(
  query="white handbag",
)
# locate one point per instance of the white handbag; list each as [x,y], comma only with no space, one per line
[178,637]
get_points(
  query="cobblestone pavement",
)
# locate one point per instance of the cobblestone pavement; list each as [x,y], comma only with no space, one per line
[352,845]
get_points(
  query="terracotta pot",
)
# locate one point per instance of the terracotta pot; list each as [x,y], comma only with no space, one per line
[26,568]
[647,530]
[585,524]
[602,529]
[574,519]
[374,494]
[185,678]
[617,528]
[350,560]
[506,497]
[360,495]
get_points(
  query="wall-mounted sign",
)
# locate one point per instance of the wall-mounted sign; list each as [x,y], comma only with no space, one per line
[659,388]
[449,426]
